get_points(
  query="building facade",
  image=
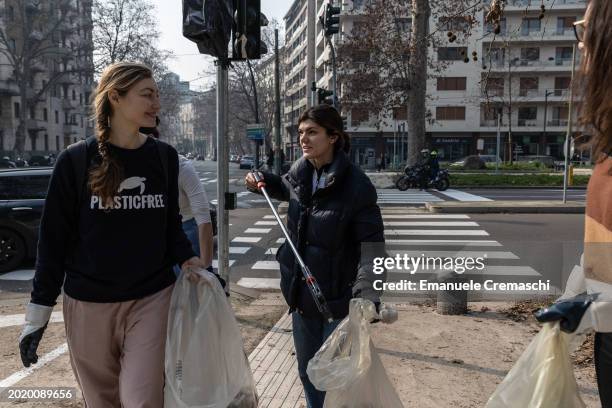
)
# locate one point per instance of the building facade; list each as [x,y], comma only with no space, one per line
[60,114]
[521,76]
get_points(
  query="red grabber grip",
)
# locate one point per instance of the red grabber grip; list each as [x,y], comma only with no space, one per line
[261,185]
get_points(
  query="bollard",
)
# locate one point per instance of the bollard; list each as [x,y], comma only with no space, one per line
[452,302]
[570,177]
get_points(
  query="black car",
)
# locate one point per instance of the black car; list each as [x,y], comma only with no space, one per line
[7,163]
[22,197]
[42,160]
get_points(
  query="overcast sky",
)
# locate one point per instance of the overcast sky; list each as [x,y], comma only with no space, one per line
[188,63]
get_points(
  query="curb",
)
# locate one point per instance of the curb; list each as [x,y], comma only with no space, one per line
[282,208]
[497,208]
[241,290]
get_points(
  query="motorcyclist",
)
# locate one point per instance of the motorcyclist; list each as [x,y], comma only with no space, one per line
[434,164]
[425,164]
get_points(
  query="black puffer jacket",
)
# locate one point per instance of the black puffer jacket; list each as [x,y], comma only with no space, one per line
[329,228]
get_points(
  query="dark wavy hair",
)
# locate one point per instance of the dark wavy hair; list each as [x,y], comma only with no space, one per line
[328,118]
[595,78]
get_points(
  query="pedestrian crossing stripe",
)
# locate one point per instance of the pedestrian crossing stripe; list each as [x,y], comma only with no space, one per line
[257,230]
[249,240]
[268,265]
[259,283]
[239,250]
[271,251]
[436,232]
[463,196]
[215,263]
[443,242]
[266,223]
[457,254]
[430,224]
[393,215]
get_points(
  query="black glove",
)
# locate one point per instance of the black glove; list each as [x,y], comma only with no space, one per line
[568,311]
[221,280]
[29,345]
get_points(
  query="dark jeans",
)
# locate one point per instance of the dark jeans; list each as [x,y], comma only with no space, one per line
[309,333]
[603,367]
[190,227]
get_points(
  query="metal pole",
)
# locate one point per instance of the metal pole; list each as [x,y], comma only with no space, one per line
[222,172]
[277,119]
[334,83]
[313,94]
[498,141]
[568,137]
[546,93]
[509,108]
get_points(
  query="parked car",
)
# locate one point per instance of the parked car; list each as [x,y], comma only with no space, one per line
[22,197]
[247,162]
[489,158]
[474,162]
[21,162]
[7,163]
[47,160]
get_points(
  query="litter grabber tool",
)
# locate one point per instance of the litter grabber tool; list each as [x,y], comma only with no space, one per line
[311,282]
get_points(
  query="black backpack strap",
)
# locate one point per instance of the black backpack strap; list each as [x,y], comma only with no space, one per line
[163,150]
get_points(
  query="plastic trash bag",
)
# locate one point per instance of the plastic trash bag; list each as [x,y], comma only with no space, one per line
[348,367]
[206,366]
[543,377]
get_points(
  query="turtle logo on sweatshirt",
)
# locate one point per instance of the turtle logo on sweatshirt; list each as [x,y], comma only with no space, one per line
[132,182]
[127,200]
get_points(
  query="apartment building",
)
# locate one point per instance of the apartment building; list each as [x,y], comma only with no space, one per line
[61,115]
[299,68]
[525,71]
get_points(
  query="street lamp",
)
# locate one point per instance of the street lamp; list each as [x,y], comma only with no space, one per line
[546,95]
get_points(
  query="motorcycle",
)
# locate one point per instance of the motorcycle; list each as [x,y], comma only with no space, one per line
[412,179]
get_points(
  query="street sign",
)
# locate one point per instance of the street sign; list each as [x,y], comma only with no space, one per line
[480,144]
[255,131]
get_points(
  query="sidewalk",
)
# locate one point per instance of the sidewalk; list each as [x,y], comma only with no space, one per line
[433,360]
[518,206]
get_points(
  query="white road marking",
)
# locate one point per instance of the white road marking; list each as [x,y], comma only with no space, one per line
[239,250]
[271,251]
[463,196]
[266,223]
[215,263]
[249,240]
[457,254]
[443,242]
[19,275]
[271,265]
[19,319]
[390,215]
[437,232]
[257,230]
[42,361]
[260,283]
[430,224]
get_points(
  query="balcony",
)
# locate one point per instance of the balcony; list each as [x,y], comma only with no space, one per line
[558,122]
[527,123]
[530,94]
[71,128]
[555,64]
[521,5]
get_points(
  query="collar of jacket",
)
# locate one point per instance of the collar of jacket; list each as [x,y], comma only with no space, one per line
[300,174]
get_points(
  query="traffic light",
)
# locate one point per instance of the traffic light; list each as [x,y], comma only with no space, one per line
[325,96]
[208,24]
[331,21]
[246,27]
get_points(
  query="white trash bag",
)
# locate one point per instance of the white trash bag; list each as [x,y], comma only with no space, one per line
[348,368]
[543,377]
[206,366]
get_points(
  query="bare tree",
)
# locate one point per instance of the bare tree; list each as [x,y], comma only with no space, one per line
[125,30]
[35,42]
[396,51]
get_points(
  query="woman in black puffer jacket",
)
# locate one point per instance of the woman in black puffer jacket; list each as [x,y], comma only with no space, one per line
[335,223]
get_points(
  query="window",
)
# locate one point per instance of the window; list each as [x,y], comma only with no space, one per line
[66,120]
[56,117]
[452,53]
[530,54]
[561,84]
[502,24]
[17,110]
[565,24]
[11,13]
[456,23]
[45,115]
[494,86]
[12,44]
[563,55]
[403,24]
[81,99]
[46,142]
[73,95]
[359,115]
[400,113]
[530,25]
[450,113]
[528,85]
[32,112]
[527,116]
[452,84]
[29,187]
[57,143]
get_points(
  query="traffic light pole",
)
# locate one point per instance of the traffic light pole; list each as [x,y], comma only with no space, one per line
[222,172]
[334,83]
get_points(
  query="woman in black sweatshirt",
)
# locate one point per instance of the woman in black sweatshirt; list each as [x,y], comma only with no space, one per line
[111,244]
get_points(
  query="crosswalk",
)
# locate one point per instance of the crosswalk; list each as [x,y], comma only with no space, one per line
[441,236]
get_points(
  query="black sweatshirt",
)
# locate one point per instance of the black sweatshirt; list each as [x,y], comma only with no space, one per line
[111,254]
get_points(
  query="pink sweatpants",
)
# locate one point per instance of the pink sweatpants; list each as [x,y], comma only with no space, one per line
[117,350]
